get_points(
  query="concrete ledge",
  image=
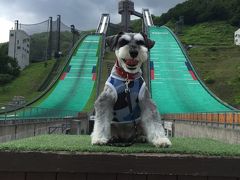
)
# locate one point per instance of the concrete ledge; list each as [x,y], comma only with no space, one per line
[188,129]
[15,131]
[40,164]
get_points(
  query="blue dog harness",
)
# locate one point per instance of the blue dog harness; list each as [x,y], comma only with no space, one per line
[127,96]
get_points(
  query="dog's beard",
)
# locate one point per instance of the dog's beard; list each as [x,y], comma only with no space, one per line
[129,64]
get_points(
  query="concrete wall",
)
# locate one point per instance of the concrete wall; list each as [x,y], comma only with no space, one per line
[19,131]
[112,166]
[19,47]
[185,129]
[79,126]
[237,37]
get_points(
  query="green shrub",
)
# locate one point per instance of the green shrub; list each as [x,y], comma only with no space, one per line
[213,48]
[209,80]
[238,78]
[9,69]
[5,78]
[214,58]
[9,65]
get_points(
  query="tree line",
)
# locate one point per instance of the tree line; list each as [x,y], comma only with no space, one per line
[198,11]
[9,68]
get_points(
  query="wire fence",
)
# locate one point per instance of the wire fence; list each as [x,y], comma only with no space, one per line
[49,38]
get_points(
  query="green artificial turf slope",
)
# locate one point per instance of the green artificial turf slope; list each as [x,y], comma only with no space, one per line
[72,143]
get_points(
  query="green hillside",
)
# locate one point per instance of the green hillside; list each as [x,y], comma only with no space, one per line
[27,83]
[198,11]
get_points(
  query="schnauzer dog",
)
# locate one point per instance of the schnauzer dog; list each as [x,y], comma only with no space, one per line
[125,98]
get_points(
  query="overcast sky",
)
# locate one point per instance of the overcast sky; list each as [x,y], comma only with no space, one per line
[83,14]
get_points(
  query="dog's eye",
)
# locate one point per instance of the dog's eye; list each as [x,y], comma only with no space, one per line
[123,42]
[140,42]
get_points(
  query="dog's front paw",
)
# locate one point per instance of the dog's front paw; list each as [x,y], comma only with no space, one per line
[162,142]
[99,141]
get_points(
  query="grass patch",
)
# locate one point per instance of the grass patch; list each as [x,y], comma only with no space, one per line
[71,143]
[27,83]
[217,33]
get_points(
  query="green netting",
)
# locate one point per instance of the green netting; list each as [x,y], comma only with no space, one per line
[173,88]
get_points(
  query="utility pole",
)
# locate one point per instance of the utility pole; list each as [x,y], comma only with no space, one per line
[49,51]
[58,53]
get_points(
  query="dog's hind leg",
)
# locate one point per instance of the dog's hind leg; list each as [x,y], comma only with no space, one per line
[103,117]
[151,122]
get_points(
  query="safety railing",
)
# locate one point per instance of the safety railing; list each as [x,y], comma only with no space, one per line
[63,128]
[147,18]
[103,24]
[223,119]
[37,113]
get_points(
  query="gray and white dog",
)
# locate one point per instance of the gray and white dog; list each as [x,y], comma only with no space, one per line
[125,97]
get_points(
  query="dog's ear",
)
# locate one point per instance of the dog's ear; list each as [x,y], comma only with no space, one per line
[148,42]
[111,41]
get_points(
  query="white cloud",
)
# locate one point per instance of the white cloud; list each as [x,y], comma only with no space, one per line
[6,25]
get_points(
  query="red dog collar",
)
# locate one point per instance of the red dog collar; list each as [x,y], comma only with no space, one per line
[122,73]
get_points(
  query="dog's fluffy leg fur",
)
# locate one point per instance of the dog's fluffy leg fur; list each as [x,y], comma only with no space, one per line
[103,117]
[151,122]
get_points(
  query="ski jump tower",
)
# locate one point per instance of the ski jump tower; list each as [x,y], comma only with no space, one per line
[125,9]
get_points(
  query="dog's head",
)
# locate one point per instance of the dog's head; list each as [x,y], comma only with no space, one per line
[131,49]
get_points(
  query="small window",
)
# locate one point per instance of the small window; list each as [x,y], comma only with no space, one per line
[19,47]
[11,34]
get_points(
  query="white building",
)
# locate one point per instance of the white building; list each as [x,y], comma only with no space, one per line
[19,47]
[237,37]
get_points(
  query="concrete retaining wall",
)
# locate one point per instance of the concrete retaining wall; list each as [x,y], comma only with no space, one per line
[185,129]
[10,132]
[112,166]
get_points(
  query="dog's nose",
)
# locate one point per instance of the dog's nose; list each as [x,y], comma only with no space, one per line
[133,53]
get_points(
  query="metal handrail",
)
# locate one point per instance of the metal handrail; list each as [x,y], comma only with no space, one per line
[100,62]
